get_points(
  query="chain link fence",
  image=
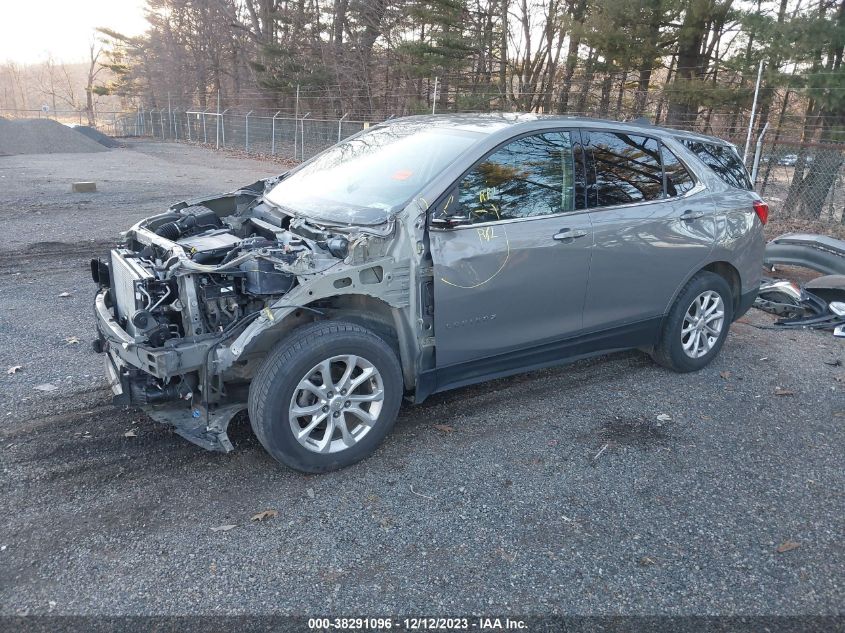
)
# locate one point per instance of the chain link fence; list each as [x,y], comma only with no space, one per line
[289,136]
[804,181]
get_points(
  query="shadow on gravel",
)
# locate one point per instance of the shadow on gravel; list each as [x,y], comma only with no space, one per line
[633,432]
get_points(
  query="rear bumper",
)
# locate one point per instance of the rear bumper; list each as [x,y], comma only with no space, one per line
[745,302]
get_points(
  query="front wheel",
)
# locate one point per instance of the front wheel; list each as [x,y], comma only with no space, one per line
[326,396]
[697,324]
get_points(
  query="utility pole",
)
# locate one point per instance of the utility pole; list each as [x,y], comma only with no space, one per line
[434,101]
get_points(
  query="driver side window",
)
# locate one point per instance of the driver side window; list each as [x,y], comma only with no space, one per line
[531,176]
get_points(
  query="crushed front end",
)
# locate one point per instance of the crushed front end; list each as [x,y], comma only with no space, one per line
[183,285]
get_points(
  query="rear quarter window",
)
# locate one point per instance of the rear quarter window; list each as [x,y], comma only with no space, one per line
[723,161]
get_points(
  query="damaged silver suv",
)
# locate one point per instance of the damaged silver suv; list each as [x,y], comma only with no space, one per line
[421,255]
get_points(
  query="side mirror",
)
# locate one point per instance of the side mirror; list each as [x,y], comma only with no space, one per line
[449,221]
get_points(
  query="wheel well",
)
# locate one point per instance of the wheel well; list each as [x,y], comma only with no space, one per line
[367,312]
[731,275]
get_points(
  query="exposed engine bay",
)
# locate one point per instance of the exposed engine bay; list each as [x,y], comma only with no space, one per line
[184,285]
[238,264]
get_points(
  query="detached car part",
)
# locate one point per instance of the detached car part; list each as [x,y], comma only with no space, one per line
[819,304]
[817,252]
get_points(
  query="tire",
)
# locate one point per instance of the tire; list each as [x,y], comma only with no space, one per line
[676,329]
[298,360]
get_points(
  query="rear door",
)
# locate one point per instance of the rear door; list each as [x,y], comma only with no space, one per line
[651,228]
[514,275]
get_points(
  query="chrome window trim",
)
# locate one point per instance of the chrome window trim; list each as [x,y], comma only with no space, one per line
[698,188]
[510,221]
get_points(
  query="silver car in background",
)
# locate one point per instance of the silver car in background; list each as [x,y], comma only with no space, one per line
[421,255]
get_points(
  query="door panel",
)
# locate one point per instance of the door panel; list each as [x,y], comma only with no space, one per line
[508,285]
[644,248]
[515,274]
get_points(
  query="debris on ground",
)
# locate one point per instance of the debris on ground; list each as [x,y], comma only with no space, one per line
[84,187]
[787,546]
[223,528]
[46,387]
[817,306]
[14,369]
[43,136]
[444,428]
[264,514]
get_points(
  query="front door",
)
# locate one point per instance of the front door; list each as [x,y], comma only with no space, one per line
[511,267]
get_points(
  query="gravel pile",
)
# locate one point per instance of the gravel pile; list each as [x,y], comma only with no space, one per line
[42,136]
[95,135]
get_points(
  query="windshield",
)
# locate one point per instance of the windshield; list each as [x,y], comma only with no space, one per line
[364,179]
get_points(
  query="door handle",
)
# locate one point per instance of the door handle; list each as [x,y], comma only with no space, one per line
[568,234]
[692,215]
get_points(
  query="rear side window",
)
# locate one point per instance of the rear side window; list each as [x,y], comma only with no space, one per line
[531,176]
[627,168]
[678,179]
[723,160]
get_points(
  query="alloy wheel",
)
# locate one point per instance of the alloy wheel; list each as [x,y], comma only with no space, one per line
[336,404]
[703,323]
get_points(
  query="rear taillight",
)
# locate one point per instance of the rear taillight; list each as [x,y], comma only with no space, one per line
[762,211]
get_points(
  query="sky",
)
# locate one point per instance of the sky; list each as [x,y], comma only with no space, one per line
[32,29]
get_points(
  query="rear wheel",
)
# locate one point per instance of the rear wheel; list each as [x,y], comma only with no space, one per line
[697,324]
[326,396]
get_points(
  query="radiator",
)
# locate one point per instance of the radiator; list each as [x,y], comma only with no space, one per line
[126,277]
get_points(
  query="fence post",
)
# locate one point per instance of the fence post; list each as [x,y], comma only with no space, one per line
[247,131]
[340,125]
[204,131]
[273,141]
[295,119]
[757,155]
[188,123]
[222,117]
[434,101]
[174,121]
[219,120]
[302,136]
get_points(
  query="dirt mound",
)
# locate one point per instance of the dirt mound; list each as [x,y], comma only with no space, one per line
[95,135]
[43,136]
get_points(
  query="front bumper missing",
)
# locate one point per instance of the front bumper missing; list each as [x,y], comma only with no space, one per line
[203,426]
[124,359]
[159,362]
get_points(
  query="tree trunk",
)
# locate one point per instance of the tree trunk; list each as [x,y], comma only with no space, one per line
[684,98]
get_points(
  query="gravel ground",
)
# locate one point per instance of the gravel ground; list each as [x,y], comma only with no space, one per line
[43,136]
[557,491]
